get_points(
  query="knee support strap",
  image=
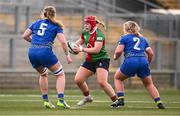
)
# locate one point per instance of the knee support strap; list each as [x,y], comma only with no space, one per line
[58,72]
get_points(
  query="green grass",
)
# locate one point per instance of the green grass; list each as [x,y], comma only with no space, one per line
[138,102]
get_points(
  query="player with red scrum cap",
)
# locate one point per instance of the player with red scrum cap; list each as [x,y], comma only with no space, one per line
[97,60]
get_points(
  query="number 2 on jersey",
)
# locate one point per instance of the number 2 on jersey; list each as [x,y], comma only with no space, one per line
[42,29]
[137,40]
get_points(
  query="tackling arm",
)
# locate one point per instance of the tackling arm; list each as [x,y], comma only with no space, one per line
[63,42]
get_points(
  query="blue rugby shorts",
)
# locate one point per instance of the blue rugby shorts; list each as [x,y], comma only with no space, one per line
[42,57]
[135,65]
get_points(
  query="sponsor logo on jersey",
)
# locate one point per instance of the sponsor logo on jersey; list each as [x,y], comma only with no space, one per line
[99,38]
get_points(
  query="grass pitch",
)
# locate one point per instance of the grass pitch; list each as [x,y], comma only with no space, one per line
[137,102]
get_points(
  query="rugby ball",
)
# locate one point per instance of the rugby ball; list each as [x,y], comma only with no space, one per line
[71,46]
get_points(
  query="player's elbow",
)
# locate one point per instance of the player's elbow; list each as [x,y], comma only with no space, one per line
[118,53]
[151,54]
[24,37]
[63,42]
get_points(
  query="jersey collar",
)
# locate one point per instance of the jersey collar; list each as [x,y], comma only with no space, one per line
[95,28]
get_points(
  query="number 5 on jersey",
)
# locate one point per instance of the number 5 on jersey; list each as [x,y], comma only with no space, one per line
[42,29]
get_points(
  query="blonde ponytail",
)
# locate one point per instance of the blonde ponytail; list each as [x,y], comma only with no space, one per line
[101,23]
[49,12]
[131,27]
[57,22]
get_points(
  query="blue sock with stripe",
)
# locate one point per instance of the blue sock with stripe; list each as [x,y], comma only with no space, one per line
[61,97]
[45,97]
[157,100]
[120,94]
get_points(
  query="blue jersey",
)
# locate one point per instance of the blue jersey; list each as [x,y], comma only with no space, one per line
[44,32]
[134,45]
[135,59]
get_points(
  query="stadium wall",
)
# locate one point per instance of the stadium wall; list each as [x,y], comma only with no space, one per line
[20,79]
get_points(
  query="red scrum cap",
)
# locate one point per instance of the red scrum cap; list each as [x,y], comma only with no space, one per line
[91,20]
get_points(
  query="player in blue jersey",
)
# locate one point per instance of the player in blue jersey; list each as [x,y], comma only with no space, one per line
[135,48]
[41,35]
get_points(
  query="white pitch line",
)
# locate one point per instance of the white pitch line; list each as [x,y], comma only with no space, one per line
[29,95]
[67,96]
[89,115]
[97,101]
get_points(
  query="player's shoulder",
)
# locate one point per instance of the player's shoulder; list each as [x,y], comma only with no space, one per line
[47,21]
[58,22]
[129,35]
[39,20]
[143,38]
[99,33]
[36,21]
[126,37]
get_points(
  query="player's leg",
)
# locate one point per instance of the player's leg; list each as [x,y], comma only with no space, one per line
[48,59]
[144,74]
[43,78]
[148,83]
[119,77]
[127,69]
[80,79]
[60,84]
[43,83]
[102,79]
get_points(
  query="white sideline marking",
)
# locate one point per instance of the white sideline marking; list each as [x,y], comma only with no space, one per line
[97,101]
[71,96]
[87,115]
[29,95]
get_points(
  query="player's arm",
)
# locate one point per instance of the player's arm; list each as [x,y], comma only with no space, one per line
[119,50]
[150,54]
[62,40]
[80,41]
[94,50]
[27,35]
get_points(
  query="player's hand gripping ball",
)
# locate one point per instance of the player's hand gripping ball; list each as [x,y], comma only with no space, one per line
[71,46]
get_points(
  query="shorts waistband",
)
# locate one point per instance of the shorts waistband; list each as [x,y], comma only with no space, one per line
[40,46]
[134,55]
